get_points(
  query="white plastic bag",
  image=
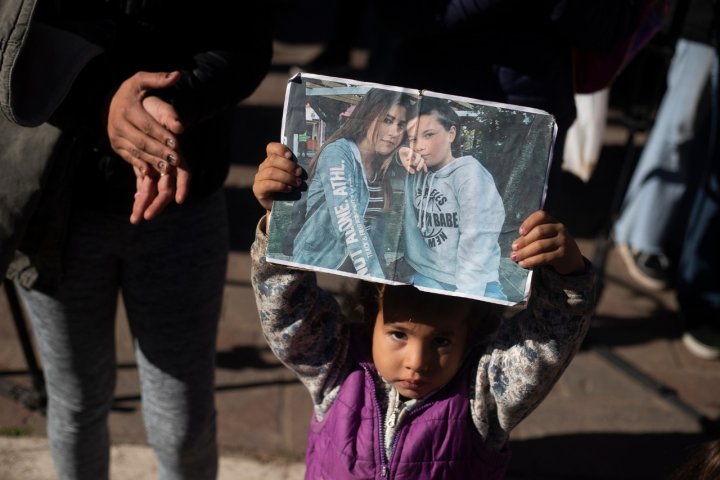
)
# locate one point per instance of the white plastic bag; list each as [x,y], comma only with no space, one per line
[585,137]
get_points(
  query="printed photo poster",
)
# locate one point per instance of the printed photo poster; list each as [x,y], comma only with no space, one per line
[410,187]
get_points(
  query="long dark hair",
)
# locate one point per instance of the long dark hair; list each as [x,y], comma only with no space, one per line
[374,105]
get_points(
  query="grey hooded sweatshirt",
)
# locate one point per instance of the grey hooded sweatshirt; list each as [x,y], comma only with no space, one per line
[453,217]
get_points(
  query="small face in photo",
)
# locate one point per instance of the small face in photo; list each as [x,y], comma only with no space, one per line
[431,140]
[386,133]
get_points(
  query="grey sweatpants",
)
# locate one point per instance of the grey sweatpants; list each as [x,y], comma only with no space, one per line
[171,272]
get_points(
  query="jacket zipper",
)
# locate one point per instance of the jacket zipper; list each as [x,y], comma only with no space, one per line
[381,430]
[386,463]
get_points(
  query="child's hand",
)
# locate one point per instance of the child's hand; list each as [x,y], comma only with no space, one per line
[276,174]
[411,160]
[544,240]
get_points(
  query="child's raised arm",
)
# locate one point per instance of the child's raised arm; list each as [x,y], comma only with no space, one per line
[278,173]
[304,331]
[529,352]
[544,240]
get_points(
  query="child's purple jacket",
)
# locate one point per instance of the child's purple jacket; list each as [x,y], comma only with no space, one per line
[439,440]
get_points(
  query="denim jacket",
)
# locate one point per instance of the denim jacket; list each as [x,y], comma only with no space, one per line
[334,230]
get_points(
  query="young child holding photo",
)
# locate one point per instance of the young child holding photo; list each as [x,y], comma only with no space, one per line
[434,384]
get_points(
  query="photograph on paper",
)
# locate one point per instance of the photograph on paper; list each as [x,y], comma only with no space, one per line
[410,187]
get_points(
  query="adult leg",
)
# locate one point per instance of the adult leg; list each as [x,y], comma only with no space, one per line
[172,288]
[660,179]
[74,327]
[698,288]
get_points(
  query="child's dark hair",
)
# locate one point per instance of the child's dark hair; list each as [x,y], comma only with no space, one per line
[484,316]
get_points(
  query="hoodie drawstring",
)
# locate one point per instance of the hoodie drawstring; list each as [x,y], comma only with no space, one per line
[428,181]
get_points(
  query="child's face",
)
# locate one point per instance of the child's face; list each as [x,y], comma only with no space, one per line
[386,133]
[428,137]
[417,350]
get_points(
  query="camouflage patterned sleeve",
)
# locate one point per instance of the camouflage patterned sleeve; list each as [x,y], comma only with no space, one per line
[301,323]
[530,351]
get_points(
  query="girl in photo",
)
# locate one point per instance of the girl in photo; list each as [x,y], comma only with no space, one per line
[453,211]
[347,195]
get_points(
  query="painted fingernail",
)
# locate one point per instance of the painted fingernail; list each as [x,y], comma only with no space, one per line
[513,256]
[170,143]
[171,158]
[521,230]
[298,181]
[514,246]
[298,172]
[287,154]
[143,171]
[161,165]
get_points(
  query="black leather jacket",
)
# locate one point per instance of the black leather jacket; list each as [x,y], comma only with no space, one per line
[222,57]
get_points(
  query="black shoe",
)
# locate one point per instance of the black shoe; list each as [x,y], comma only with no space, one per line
[653,272]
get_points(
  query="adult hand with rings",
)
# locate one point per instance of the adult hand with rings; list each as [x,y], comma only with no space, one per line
[144,131]
[155,192]
[134,133]
[165,114]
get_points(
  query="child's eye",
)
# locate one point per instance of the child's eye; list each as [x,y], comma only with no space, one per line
[411,139]
[388,120]
[398,335]
[441,342]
